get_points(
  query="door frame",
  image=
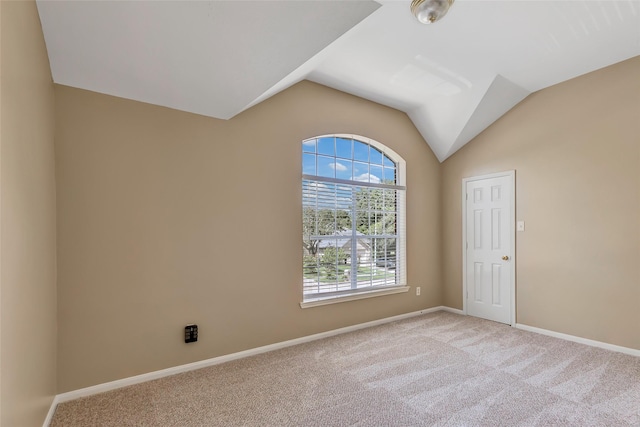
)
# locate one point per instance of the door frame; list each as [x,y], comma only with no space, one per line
[512,265]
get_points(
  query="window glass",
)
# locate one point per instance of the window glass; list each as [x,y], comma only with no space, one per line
[344,169]
[375,156]
[327,146]
[360,171]
[375,174]
[389,175]
[309,146]
[344,148]
[309,164]
[326,166]
[360,151]
[351,215]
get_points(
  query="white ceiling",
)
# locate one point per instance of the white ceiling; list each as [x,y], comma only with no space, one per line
[453,78]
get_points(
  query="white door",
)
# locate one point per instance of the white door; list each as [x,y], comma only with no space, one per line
[489,247]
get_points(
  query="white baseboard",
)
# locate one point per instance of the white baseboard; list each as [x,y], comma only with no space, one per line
[580,340]
[452,310]
[101,388]
[52,410]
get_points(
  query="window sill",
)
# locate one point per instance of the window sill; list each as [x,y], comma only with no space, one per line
[352,297]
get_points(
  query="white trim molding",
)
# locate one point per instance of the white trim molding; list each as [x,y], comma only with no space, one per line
[113,385]
[580,340]
[352,297]
[452,310]
[52,410]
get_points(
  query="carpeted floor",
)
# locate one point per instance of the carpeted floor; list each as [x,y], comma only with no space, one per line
[437,369]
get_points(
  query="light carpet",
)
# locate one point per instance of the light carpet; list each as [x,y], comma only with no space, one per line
[438,369]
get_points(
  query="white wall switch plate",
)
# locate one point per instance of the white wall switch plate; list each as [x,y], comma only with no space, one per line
[520,226]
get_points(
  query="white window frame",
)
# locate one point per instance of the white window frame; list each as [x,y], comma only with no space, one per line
[401,258]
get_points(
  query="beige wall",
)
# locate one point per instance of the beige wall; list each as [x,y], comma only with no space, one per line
[28,221]
[158,216]
[168,218]
[0,214]
[576,151]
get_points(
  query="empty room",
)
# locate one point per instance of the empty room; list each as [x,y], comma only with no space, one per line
[464,178]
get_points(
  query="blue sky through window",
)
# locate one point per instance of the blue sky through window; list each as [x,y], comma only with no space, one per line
[345,158]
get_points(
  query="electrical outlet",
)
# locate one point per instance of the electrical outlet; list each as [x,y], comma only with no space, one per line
[418,291]
[190,333]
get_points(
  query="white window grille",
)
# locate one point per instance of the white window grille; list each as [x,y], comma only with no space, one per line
[353,215]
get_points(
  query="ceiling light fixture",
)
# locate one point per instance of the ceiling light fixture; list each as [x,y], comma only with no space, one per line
[429,11]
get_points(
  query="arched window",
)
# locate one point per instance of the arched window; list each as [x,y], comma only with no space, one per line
[353,216]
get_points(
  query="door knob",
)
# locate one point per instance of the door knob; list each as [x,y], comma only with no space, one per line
[505,257]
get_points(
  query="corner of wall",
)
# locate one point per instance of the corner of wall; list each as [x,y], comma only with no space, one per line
[27,219]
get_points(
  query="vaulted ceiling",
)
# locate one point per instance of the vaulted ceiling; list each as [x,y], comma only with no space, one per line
[453,78]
